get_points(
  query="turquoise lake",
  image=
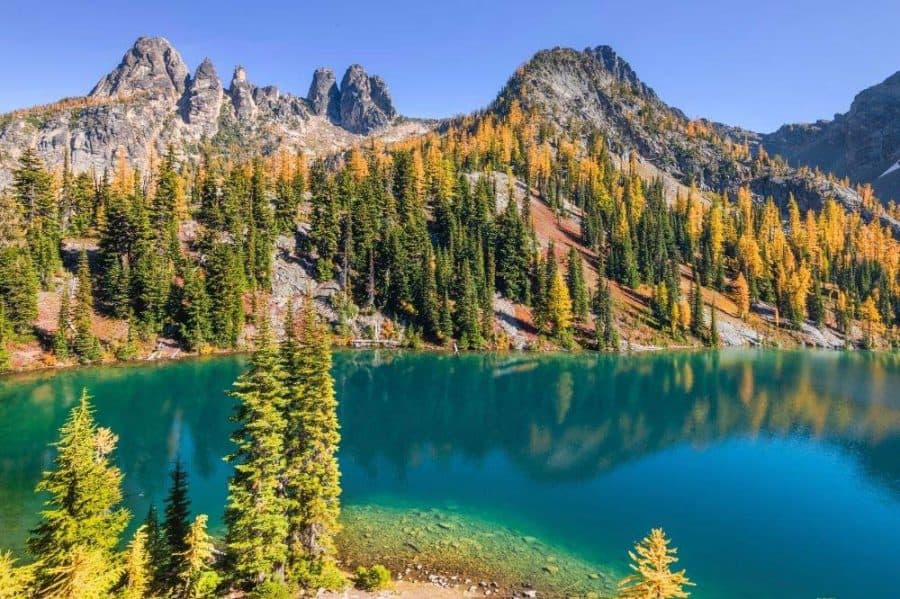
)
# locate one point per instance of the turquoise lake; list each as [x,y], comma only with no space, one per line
[776,474]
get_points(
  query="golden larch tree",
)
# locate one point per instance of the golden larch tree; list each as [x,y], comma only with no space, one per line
[653,578]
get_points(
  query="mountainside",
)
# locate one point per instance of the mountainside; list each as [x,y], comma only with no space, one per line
[597,91]
[151,100]
[862,144]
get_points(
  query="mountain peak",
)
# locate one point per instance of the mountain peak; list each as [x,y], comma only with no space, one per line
[324,96]
[619,68]
[365,103]
[151,65]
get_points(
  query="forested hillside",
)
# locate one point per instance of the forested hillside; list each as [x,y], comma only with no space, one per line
[510,227]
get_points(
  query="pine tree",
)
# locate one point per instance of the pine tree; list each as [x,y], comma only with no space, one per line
[85,344]
[653,578]
[607,335]
[197,579]
[138,573]
[82,520]
[194,324]
[698,321]
[576,285]
[176,523]
[157,549]
[256,511]
[18,277]
[63,322]
[311,475]
[33,188]
[468,322]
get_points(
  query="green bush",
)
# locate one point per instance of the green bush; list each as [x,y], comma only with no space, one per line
[319,576]
[271,589]
[375,578]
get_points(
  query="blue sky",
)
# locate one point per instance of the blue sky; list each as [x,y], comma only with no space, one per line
[754,63]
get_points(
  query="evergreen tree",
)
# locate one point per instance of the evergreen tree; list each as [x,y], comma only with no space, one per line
[468,321]
[76,538]
[224,285]
[197,579]
[311,475]
[607,335]
[85,344]
[193,321]
[63,323]
[698,321]
[651,562]
[257,534]
[18,277]
[33,187]
[176,523]
[138,573]
[576,285]
[157,550]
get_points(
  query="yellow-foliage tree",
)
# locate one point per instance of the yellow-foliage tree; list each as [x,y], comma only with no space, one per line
[14,580]
[653,578]
[559,306]
[742,295]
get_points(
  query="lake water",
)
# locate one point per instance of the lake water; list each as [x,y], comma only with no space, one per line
[776,474]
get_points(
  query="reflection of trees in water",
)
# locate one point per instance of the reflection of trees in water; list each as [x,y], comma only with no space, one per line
[154,409]
[573,416]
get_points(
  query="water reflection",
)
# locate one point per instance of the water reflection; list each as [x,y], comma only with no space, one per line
[572,417]
[563,418]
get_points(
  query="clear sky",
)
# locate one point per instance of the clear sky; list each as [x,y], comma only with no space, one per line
[754,63]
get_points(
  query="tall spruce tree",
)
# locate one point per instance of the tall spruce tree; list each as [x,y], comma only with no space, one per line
[82,520]
[176,522]
[33,187]
[256,519]
[311,475]
[85,344]
[576,285]
[607,335]
[157,549]
[18,277]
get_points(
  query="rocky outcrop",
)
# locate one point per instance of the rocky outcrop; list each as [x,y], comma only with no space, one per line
[324,97]
[365,104]
[620,69]
[862,144]
[150,101]
[203,99]
[151,66]
[241,92]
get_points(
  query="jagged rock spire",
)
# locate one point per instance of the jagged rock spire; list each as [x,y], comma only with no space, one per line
[152,65]
[365,102]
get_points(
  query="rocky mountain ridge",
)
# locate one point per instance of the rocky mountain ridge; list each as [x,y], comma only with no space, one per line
[862,144]
[151,100]
[597,92]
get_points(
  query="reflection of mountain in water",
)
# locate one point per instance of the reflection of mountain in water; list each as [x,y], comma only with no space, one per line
[571,417]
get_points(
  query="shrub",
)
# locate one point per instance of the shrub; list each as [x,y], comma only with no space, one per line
[375,578]
[271,589]
[319,576]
